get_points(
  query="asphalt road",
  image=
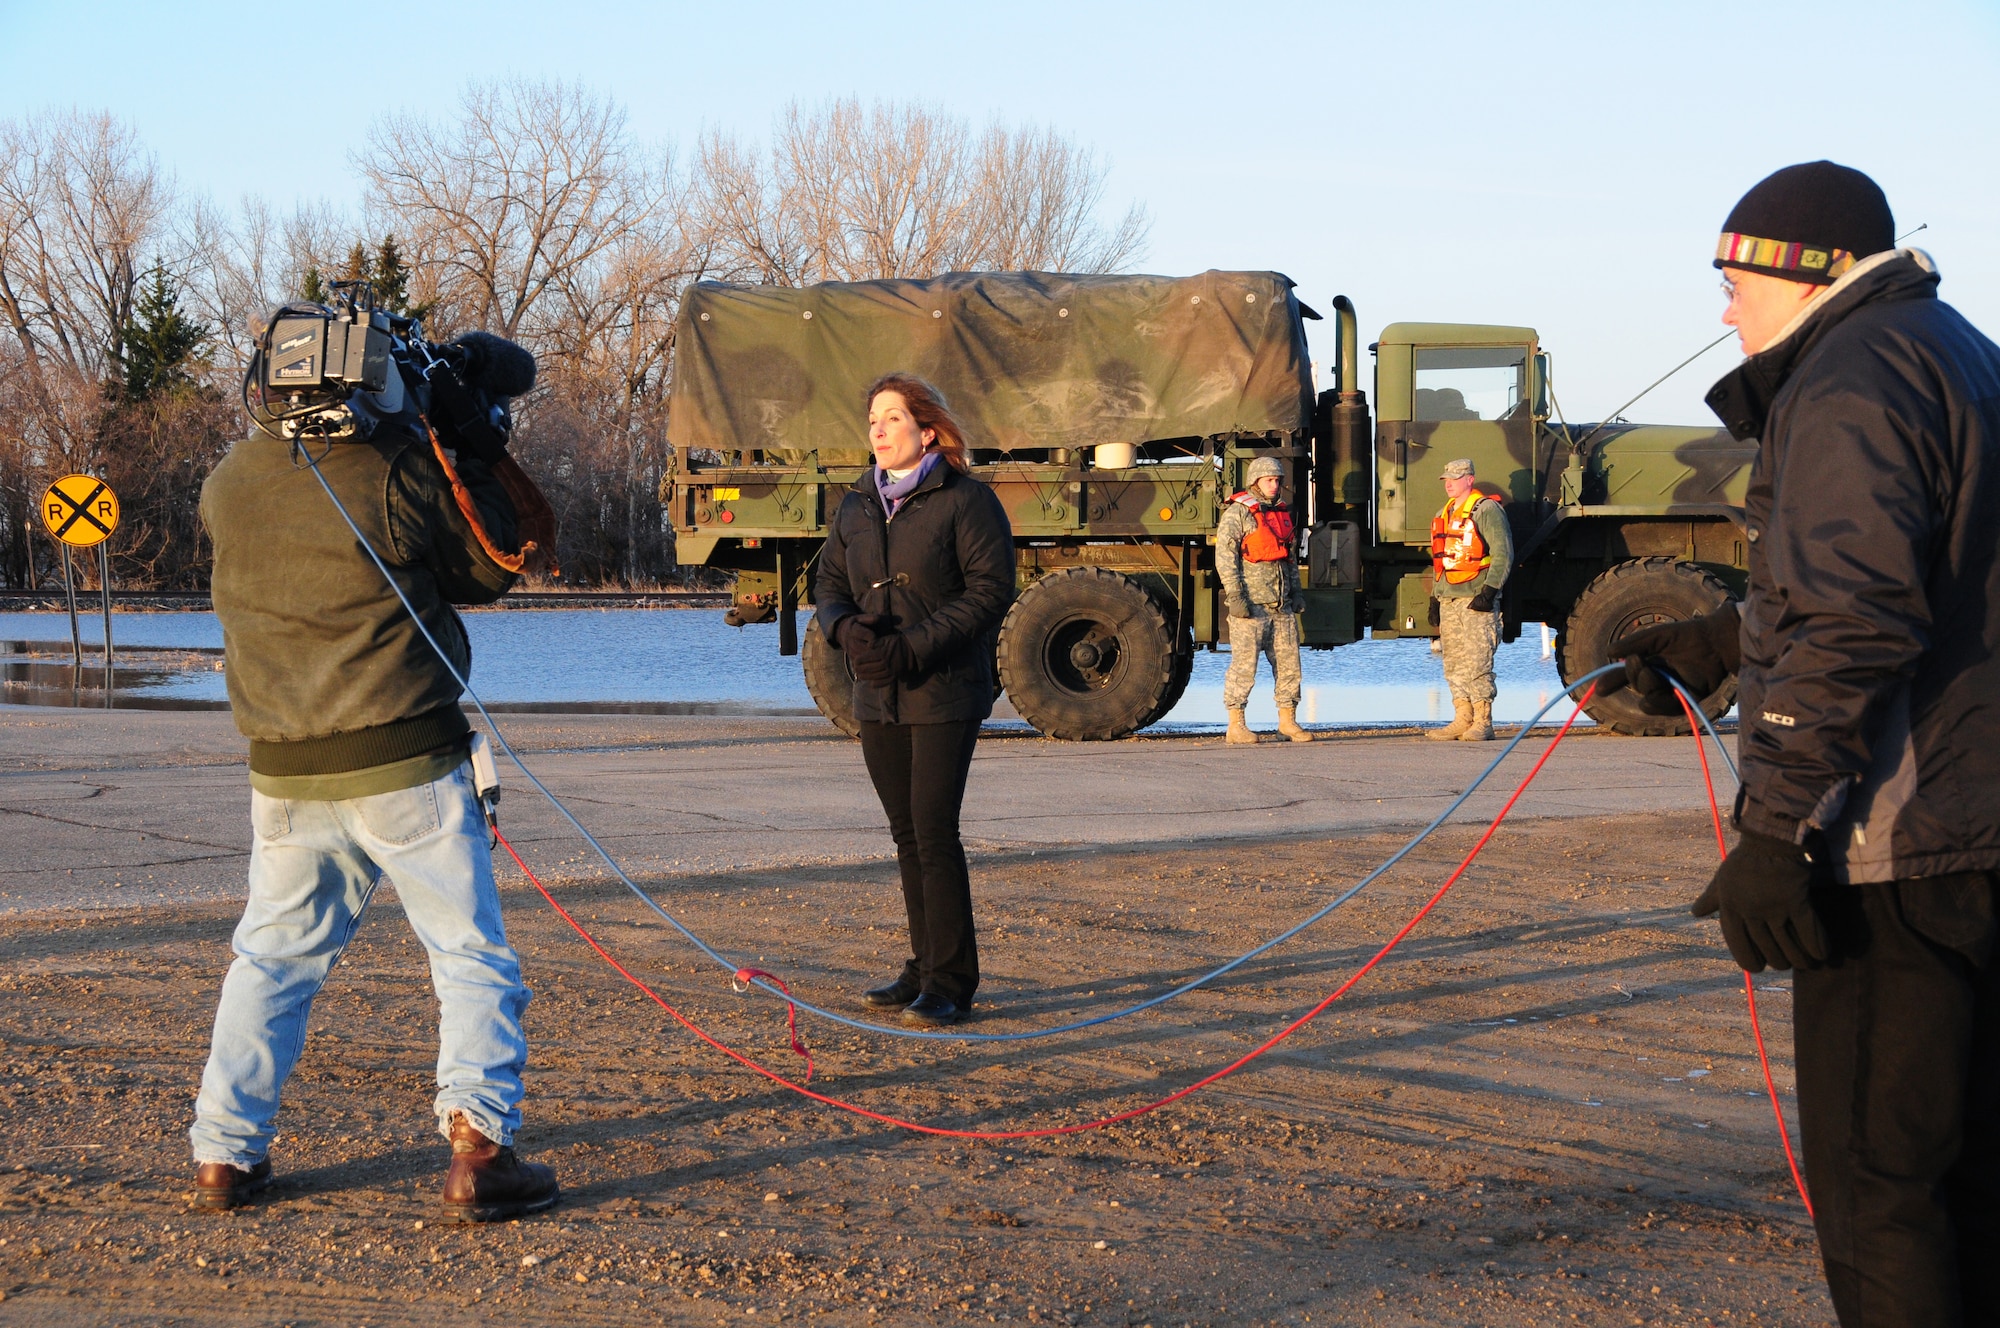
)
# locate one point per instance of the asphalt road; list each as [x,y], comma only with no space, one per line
[122,808]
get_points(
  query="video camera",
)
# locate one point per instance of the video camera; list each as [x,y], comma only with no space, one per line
[348,369]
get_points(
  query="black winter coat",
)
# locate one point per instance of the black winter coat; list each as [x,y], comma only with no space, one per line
[1870,685]
[943,569]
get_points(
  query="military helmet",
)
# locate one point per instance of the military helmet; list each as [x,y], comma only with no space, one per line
[1260,467]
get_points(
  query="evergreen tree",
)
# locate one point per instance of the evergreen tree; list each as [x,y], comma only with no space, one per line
[162,344]
[313,289]
[391,277]
[357,264]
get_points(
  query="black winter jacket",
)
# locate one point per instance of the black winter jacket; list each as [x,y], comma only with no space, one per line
[943,569]
[1870,685]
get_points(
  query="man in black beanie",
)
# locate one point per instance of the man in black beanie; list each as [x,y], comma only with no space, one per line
[1868,657]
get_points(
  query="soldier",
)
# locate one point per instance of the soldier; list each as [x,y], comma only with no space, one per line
[1471,553]
[1260,587]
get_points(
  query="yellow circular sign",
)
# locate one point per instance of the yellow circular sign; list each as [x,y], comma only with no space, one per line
[80,510]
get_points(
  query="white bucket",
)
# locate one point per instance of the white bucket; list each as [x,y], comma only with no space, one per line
[1115,456]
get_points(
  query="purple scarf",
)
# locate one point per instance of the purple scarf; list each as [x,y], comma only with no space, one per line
[896,492]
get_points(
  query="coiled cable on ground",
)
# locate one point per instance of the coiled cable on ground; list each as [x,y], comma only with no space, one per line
[930,1035]
[1102,1121]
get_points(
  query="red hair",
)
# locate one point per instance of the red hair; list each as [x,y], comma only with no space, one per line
[927,407]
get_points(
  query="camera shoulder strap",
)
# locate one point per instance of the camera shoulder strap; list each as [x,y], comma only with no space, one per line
[537,519]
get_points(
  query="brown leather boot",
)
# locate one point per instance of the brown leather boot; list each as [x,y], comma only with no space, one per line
[1239,730]
[487,1183]
[1481,727]
[221,1186]
[1288,725]
[1461,721]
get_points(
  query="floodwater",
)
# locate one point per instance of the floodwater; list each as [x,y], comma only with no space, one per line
[688,661]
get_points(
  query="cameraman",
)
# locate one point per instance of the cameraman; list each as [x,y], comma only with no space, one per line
[359,753]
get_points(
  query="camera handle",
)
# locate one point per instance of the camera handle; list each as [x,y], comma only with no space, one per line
[486,780]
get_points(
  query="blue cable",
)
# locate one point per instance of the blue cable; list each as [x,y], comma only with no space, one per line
[1695,707]
[867,1026]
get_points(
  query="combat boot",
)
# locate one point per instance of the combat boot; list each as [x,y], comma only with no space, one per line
[1460,721]
[1288,725]
[1238,730]
[488,1183]
[1481,728]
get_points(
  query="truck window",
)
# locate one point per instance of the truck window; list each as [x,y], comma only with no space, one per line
[1470,382]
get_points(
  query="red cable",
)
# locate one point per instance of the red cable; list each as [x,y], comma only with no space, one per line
[1749,989]
[1122,1116]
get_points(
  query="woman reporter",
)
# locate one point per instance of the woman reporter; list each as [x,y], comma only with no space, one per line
[917,571]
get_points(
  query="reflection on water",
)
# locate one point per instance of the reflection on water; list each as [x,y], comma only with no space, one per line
[688,661]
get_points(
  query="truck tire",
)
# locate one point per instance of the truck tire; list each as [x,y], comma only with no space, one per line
[1633,595]
[1086,655]
[1176,686]
[828,678]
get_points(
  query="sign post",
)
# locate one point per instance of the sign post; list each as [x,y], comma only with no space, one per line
[81,511]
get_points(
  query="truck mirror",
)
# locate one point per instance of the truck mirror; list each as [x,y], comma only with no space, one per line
[1541,385]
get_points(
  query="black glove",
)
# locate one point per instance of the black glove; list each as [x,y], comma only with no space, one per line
[466,418]
[1763,891]
[856,633]
[1437,614]
[1235,608]
[1702,652]
[888,658]
[1483,601]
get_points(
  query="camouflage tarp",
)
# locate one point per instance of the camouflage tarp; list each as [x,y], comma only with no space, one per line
[1026,359]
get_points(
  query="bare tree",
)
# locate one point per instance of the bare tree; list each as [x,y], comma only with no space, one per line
[530,211]
[852,194]
[80,201]
[234,269]
[528,187]
[1041,194]
[608,348]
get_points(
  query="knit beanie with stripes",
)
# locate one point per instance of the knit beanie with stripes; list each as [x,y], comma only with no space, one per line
[1809,223]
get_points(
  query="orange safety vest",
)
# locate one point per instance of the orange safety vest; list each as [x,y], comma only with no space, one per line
[1458,551]
[1270,540]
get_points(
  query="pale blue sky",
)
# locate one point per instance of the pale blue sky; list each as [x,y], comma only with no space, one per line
[1565,165]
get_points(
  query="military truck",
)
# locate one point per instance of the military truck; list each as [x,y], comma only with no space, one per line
[1114,416]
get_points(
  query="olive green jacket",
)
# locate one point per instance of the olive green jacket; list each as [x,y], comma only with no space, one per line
[328,674]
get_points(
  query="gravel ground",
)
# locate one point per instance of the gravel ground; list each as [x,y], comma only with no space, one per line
[1544,1108]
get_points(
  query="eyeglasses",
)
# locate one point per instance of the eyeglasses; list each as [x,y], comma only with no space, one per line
[1730,289]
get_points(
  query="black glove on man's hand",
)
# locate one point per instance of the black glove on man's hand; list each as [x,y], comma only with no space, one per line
[889,659]
[856,633]
[463,415]
[1763,891]
[1483,601]
[1701,652]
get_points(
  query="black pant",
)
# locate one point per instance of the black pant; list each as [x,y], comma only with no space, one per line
[919,772]
[1898,1046]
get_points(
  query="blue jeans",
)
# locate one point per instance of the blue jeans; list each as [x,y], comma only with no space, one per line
[313,868]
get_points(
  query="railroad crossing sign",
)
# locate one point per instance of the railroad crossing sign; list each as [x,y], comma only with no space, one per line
[80,510]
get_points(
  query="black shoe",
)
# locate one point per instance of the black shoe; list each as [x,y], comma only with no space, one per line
[898,993]
[933,1011]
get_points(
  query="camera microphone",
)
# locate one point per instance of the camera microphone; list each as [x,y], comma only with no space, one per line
[495,364]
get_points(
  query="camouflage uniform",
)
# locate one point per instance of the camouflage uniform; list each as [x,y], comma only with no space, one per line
[1469,642]
[1471,638]
[1271,591]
